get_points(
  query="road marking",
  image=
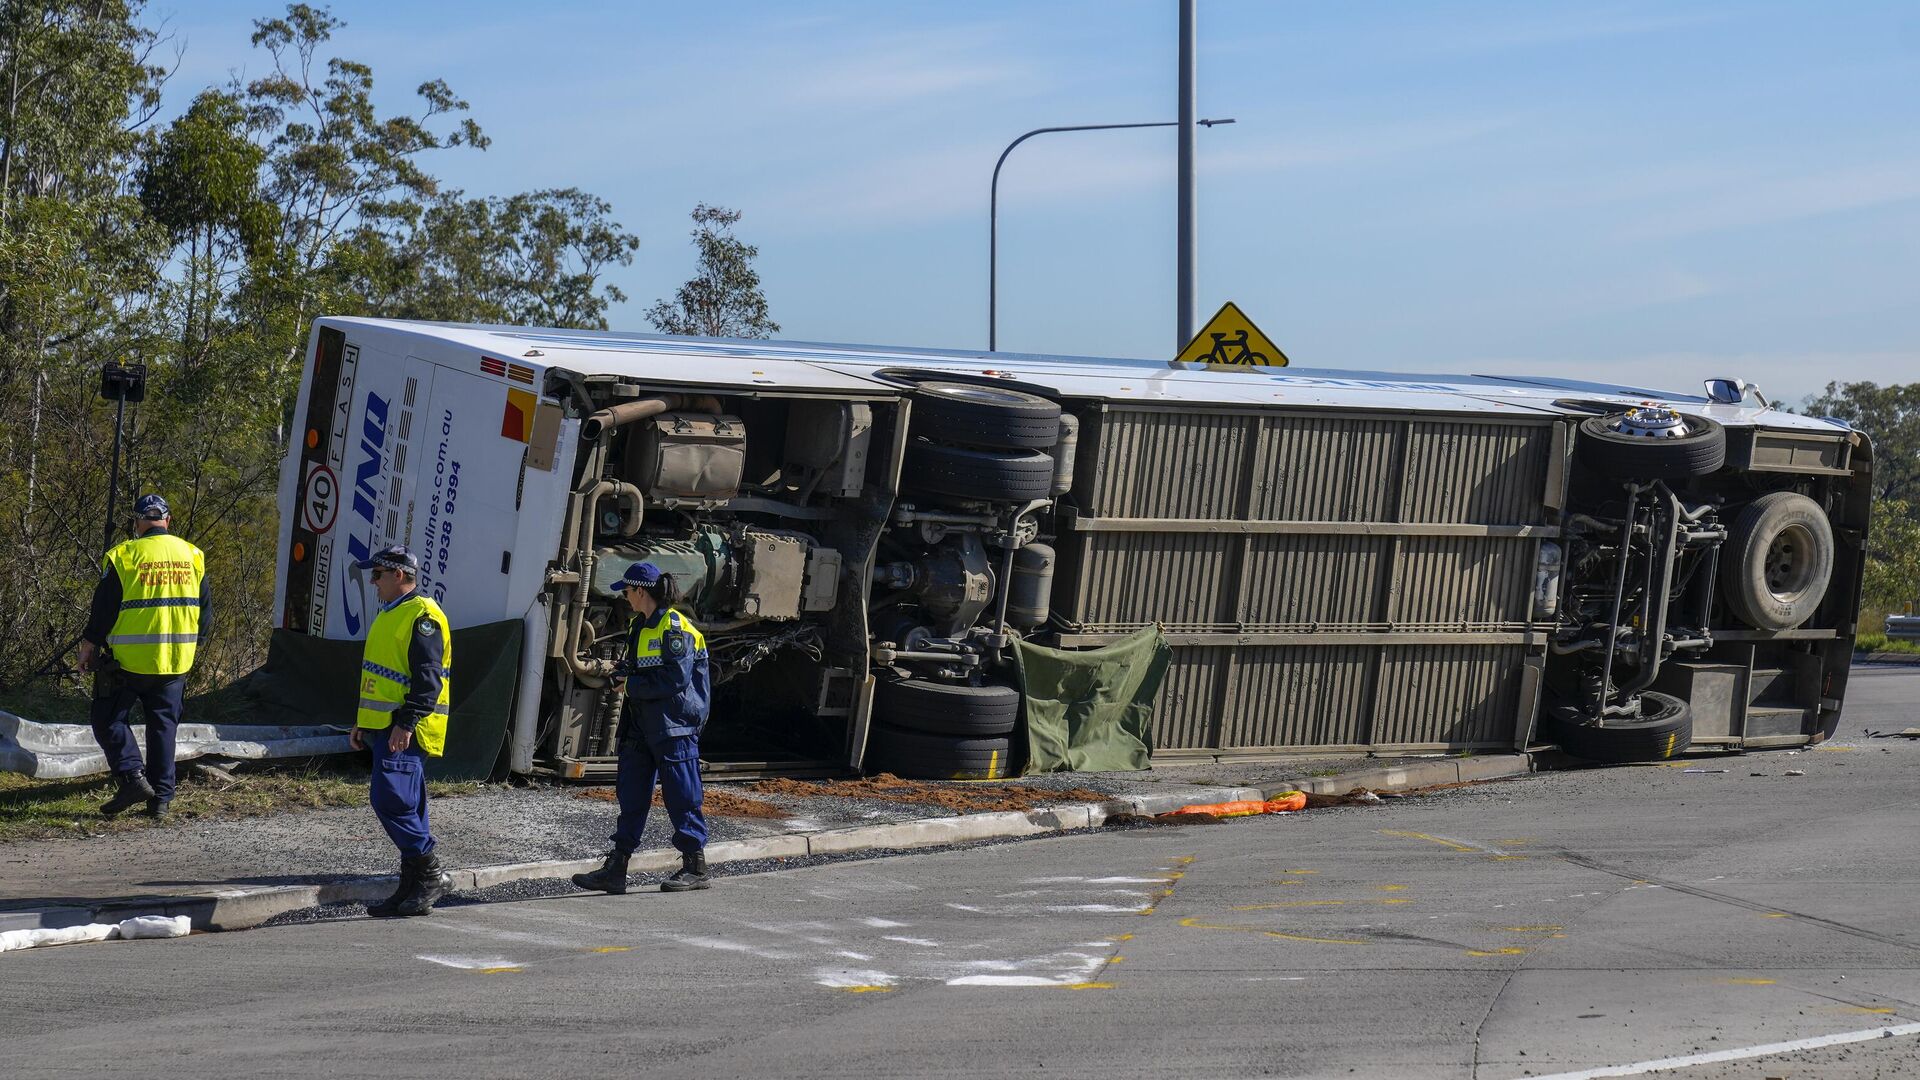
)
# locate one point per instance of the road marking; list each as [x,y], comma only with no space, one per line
[1466,846]
[1090,986]
[859,981]
[923,942]
[866,989]
[1532,929]
[1195,924]
[1508,951]
[614,948]
[880,924]
[486,965]
[1749,982]
[1390,888]
[1299,871]
[1740,1054]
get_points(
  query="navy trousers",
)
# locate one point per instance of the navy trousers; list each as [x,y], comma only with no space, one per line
[398,792]
[675,763]
[114,694]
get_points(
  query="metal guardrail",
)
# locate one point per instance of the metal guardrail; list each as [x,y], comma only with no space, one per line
[1903,627]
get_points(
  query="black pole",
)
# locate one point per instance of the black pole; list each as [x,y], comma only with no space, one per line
[113,474]
[1185,227]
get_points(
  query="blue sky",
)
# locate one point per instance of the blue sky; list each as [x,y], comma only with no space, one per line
[1634,191]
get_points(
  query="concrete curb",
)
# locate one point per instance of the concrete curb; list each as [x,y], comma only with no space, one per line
[1887,658]
[239,909]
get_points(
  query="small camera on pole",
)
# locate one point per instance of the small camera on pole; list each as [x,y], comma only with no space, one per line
[119,383]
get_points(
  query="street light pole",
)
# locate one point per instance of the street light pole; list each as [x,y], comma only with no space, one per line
[993,214]
[1185,230]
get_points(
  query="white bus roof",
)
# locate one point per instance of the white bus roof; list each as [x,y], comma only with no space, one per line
[746,364]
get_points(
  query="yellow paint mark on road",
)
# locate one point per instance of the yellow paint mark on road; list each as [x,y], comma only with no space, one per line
[1299,871]
[1508,951]
[1196,924]
[1835,750]
[1185,860]
[1518,841]
[1090,986]
[1396,900]
[1504,858]
[1390,888]
[496,970]
[1116,959]
[1532,929]
[1747,982]
[1121,937]
[614,948]
[1431,840]
[1287,881]
[867,989]
[1776,915]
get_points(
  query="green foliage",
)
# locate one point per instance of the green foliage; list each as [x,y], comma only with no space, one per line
[1879,642]
[205,249]
[1890,415]
[1893,556]
[723,298]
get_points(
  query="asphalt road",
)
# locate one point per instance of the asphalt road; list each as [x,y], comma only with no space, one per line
[1605,919]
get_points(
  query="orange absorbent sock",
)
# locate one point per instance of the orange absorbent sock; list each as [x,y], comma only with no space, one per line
[1282,803]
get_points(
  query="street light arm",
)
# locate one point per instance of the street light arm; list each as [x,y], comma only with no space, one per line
[993,210]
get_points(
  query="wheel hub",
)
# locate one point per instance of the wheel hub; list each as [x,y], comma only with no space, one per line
[1788,564]
[1651,422]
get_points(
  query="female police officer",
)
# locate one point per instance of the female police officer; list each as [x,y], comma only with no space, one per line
[667,694]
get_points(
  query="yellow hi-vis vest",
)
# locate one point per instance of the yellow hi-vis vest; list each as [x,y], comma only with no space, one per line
[159,621]
[384,676]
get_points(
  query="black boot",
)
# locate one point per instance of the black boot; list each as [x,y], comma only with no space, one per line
[691,875]
[610,878]
[158,808]
[430,882]
[388,908]
[134,790]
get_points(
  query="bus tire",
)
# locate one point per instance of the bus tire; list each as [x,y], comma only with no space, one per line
[919,755]
[1663,729]
[1620,456]
[986,475]
[1779,558]
[985,417]
[947,708]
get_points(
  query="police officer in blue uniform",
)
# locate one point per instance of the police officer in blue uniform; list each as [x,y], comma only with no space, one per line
[405,697]
[149,610]
[666,707]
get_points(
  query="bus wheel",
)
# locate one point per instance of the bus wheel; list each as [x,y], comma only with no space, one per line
[1778,558]
[919,755]
[985,417]
[1651,443]
[1663,728]
[947,708]
[986,475]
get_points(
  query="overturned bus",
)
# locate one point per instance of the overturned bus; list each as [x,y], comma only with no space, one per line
[1338,560]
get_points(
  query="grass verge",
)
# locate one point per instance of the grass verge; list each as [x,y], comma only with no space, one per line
[1873,643]
[33,809]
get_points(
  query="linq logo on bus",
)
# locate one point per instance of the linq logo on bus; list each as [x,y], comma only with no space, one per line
[368,467]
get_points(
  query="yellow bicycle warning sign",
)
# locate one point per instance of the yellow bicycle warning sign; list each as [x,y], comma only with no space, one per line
[1231,339]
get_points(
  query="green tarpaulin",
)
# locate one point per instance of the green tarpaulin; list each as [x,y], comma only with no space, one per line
[1091,710]
[319,680]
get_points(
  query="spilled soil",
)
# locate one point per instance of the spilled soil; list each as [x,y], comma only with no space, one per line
[715,801]
[965,797]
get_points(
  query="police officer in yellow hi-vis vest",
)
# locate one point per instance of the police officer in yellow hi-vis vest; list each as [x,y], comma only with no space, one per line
[149,611]
[405,686]
[667,694]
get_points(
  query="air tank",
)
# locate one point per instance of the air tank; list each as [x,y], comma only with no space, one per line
[1032,585]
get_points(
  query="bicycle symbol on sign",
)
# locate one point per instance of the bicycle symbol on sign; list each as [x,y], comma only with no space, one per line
[1233,350]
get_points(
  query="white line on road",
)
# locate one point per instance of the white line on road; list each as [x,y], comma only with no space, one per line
[1740,1054]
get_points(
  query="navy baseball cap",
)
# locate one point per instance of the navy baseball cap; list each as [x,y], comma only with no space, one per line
[392,557]
[151,507]
[642,574]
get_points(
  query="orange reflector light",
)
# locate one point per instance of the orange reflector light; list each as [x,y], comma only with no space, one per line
[299,552]
[313,438]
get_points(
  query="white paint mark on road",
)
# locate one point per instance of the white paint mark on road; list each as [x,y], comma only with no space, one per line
[1099,909]
[1009,980]
[851,955]
[920,941]
[850,978]
[878,923]
[470,963]
[1739,1054]
[723,945]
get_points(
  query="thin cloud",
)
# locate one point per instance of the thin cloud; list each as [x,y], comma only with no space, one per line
[1754,201]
